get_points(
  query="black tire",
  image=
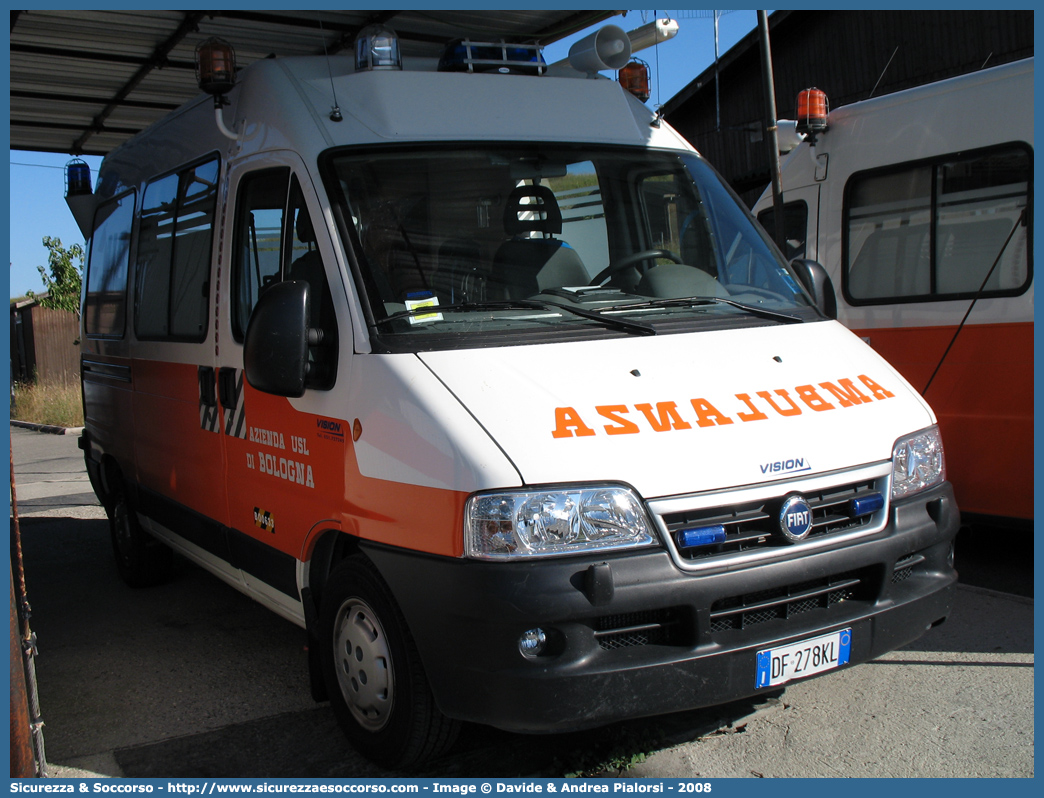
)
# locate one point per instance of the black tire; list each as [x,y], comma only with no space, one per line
[142,561]
[377,687]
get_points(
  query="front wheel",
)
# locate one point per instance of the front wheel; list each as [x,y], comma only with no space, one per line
[371,667]
[141,560]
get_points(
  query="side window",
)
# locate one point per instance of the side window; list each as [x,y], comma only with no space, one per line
[191,264]
[934,231]
[795,227]
[274,240]
[155,245]
[257,247]
[105,309]
[173,263]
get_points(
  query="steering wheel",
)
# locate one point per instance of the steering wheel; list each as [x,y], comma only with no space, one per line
[619,265]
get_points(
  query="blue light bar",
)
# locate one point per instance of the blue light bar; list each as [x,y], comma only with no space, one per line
[700,536]
[865,505]
[465,55]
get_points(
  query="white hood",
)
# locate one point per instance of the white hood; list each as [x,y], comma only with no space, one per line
[748,406]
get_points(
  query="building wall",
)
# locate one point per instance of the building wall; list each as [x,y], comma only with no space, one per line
[844,53]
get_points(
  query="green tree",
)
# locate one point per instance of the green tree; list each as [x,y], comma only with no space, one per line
[62,283]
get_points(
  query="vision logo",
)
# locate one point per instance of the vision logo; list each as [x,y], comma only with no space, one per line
[331,430]
[791,466]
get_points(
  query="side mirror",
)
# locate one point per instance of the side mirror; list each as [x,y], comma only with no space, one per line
[275,351]
[817,282]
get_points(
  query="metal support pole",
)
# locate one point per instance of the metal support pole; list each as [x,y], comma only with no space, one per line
[770,128]
[22,764]
[26,643]
[717,79]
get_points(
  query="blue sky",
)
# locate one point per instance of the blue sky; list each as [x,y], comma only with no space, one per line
[37,180]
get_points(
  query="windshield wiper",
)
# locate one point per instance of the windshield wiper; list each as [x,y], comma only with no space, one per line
[626,325]
[613,321]
[427,310]
[689,301]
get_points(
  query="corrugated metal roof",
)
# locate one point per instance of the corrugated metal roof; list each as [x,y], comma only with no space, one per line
[83,82]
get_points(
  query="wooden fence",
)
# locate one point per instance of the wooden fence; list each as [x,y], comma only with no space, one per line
[44,345]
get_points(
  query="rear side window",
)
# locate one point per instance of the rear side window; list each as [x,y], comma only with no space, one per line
[172,271]
[940,230]
[105,308]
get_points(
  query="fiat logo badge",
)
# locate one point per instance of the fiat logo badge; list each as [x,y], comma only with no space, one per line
[795,518]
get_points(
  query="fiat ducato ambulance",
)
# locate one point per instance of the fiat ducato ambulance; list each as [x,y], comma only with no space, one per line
[479,373]
[921,211]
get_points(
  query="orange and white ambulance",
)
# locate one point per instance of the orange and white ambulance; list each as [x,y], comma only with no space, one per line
[479,373]
[919,204]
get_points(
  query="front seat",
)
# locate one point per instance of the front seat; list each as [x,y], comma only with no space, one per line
[525,266]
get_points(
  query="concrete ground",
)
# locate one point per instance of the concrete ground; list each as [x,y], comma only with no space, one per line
[192,679]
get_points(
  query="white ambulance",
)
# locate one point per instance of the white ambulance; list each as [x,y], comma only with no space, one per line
[919,205]
[476,371]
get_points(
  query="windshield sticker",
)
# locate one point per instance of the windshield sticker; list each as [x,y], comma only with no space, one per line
[762,405]
[425,302]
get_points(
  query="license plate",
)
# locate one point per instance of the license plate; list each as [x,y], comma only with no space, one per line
[824,653]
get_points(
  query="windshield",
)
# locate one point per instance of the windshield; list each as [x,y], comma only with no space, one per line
[510,240]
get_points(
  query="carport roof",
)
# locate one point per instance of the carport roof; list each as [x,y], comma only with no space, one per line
[82,82]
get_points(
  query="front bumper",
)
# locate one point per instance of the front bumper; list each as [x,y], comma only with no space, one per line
[634,635]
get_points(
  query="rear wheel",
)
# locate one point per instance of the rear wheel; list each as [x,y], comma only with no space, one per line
[141,560]
[373,673]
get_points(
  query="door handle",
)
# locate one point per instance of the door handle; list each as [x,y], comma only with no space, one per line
[207,395]
[226,383]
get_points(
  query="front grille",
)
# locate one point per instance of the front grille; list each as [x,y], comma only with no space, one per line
[663,627]
[754,526]
[783,603]
[904,569]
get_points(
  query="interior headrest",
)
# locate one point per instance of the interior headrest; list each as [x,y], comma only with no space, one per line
[305,233]
[541,202]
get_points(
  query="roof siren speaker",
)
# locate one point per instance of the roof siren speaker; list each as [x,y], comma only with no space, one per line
[607,48]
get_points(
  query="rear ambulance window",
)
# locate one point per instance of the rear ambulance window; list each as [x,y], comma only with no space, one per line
[105,309]
[173,263]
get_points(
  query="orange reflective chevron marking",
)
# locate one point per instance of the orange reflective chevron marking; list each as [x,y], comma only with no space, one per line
[667,417]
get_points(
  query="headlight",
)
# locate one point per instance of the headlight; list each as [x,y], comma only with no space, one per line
[917,463]
[539,523]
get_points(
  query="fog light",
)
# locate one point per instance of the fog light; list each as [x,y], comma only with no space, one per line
[532,643]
